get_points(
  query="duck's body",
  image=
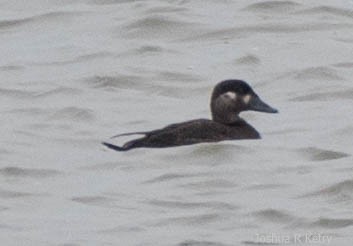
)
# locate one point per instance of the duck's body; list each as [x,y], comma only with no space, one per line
[228,99]
[190,132]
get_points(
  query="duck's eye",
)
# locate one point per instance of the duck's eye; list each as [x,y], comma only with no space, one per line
[246,98]
[230,94]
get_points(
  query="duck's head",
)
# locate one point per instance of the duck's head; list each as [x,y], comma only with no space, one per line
[230,97]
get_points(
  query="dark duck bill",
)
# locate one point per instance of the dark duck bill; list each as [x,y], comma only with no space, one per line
[256,104]
[229,98]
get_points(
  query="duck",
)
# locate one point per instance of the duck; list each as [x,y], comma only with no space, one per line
[229,98]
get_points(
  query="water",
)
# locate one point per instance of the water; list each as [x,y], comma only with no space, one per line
[74,73]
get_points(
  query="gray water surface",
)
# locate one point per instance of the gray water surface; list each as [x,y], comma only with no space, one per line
[74,73]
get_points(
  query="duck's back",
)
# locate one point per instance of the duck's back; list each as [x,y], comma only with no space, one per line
[192,132]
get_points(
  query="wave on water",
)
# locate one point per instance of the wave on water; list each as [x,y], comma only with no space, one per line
[327,10]
[248,60]
[100,201]
[274,216]
[7,194]
[27,172]
[284,28]
[316,154]
[12,68]
[38,19]
[112,2]
[159,26]
[318,73]
[326,96]
[193,205]
[290,221]
[170,177]
[338,192]
[120,81]
[73,113]
[330,223]
[273,6]
[196,219]
[200,243]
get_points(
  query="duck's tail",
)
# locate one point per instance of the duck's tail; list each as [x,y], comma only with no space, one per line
[114,147]
[135,143]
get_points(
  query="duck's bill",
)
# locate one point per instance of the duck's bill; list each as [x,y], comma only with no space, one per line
[256,104]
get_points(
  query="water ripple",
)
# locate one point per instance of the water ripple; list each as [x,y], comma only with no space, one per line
[191,220]
[43,18]
[20,94]
[95,200]
[248,60]
[73,113]
[192,205]
[112,2]
[200,243]
[28,172]
[273,6]
[169,177]
[166,9]
[119,81]
[158,26]
[266,28]
[341,191]
[274,215]
[325,96]
[332,223]
[11,68]
[14,194]
[318,73]
[316,154]
[324,10]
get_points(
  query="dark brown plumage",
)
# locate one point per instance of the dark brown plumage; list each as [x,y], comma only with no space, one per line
[228,99]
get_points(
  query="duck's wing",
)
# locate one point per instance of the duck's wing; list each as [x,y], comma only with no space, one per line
[185,133]
[171,135]
[128,134]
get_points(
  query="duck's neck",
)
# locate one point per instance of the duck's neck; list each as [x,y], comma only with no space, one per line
[228,119]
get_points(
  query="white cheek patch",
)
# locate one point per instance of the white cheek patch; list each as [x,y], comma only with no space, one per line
[231,95]
[247,99]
